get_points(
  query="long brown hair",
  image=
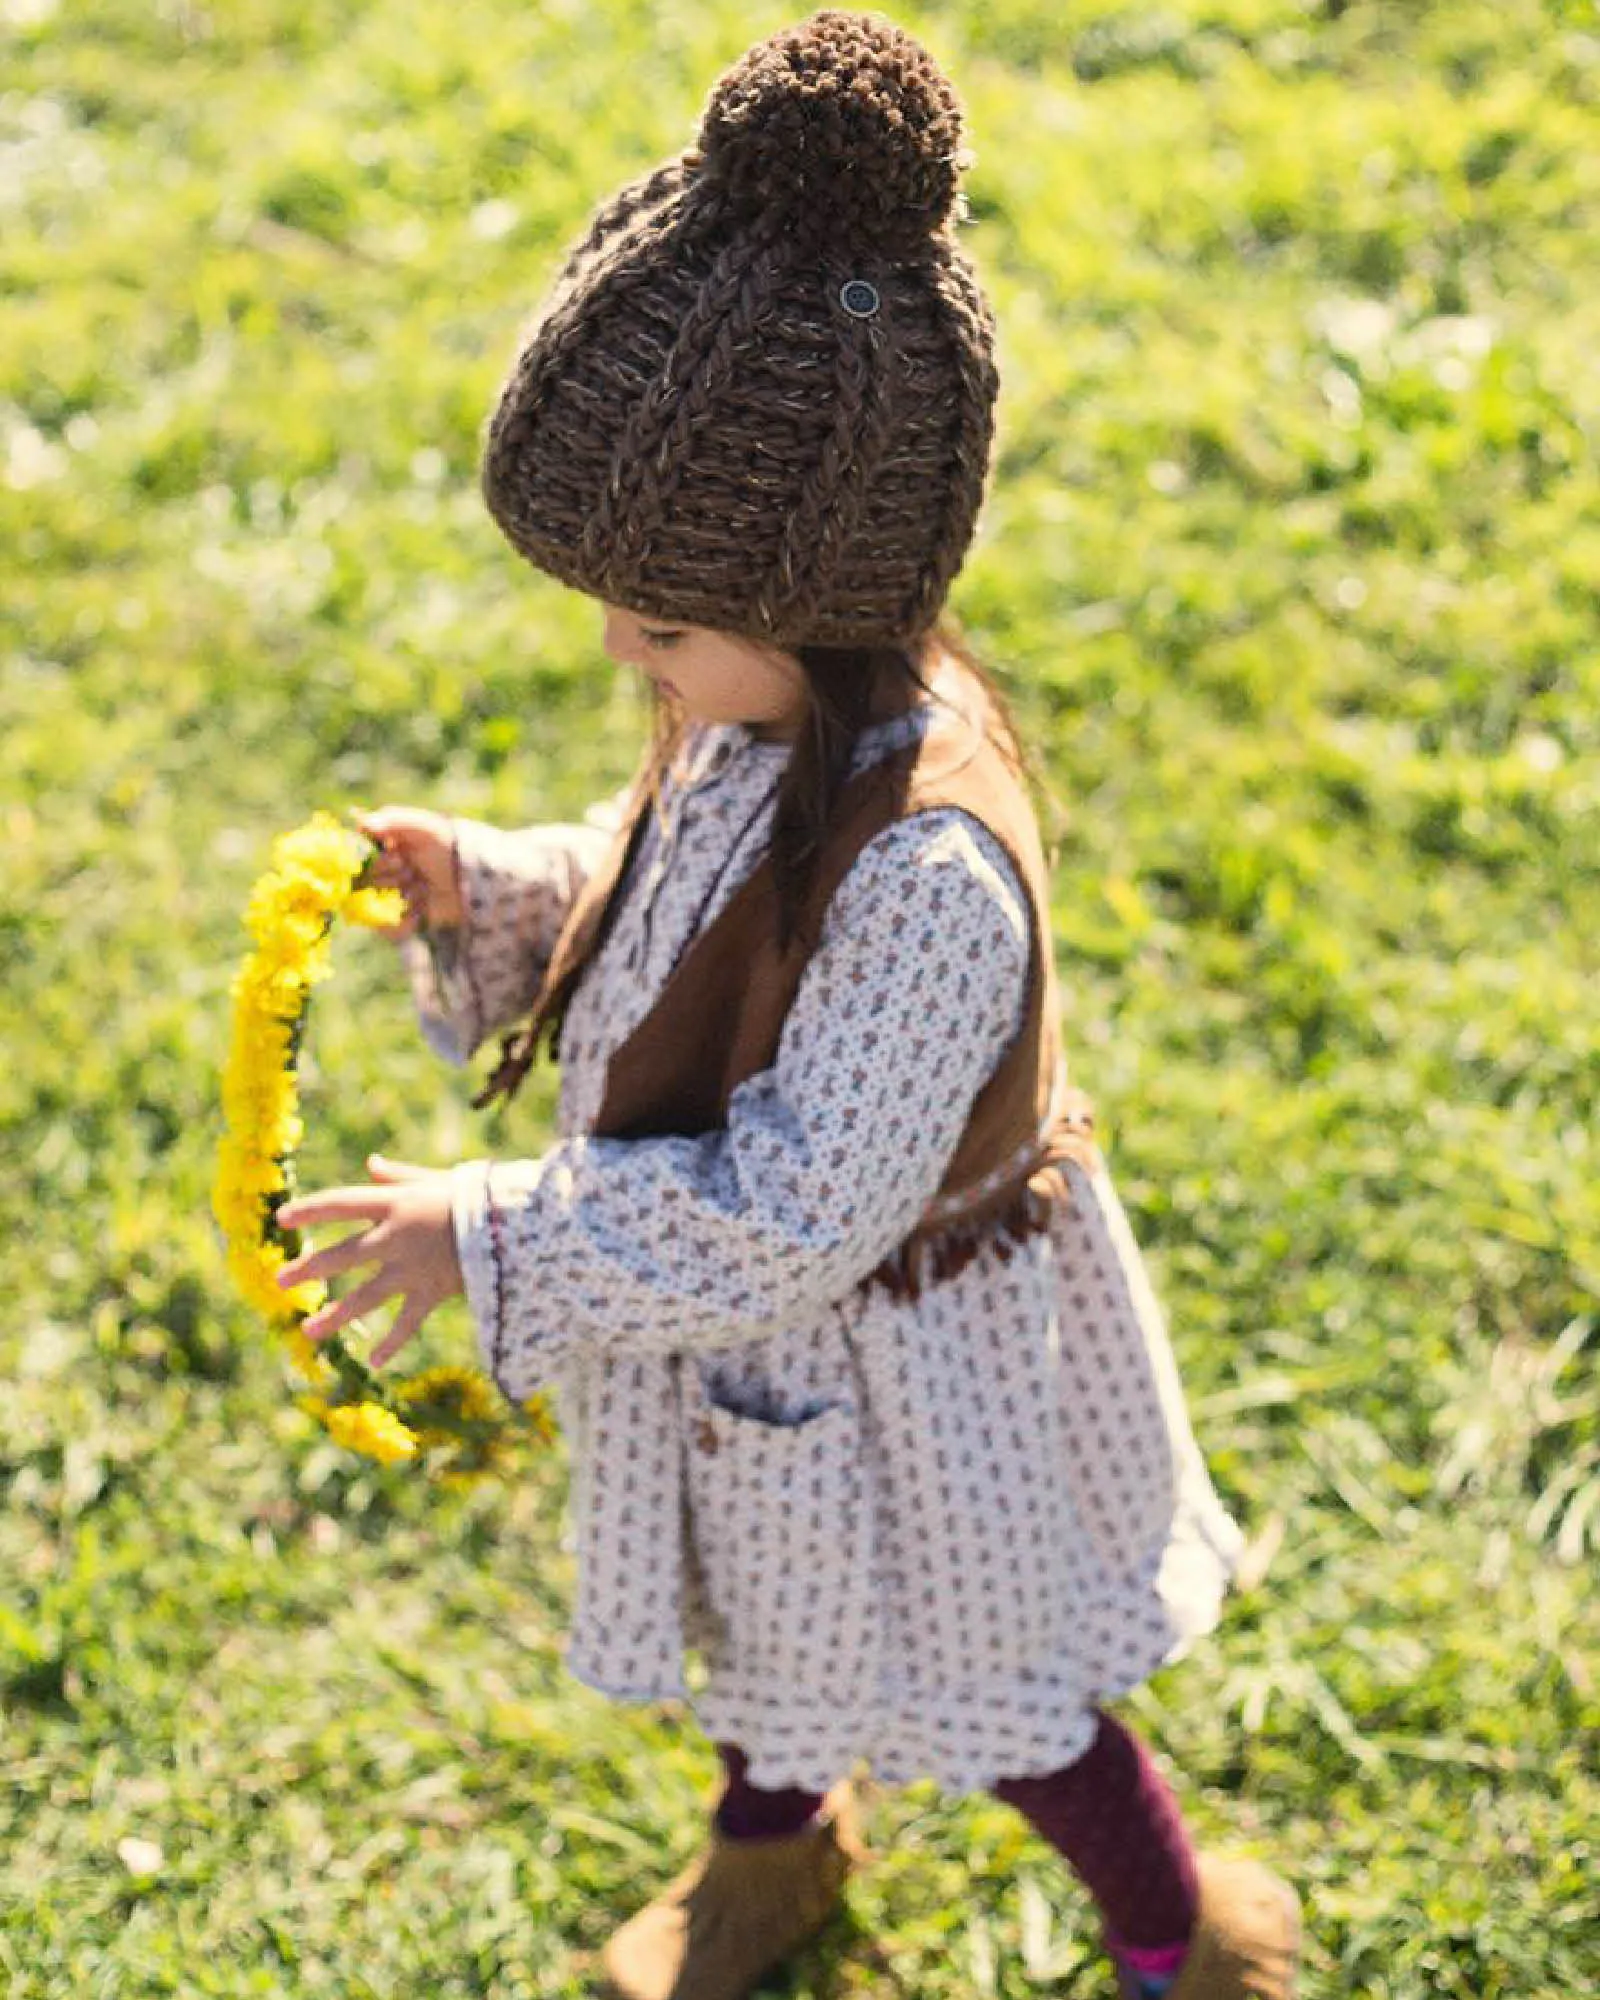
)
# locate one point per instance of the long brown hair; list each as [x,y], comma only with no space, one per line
[844,685]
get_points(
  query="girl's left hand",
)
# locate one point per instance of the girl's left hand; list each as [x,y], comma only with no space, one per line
[411,1239]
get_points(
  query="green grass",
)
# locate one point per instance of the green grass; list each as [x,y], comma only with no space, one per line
[1292,566]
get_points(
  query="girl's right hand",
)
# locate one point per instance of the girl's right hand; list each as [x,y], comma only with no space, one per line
[416,855]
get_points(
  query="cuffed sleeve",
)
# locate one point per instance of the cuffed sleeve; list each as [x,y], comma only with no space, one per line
[916,988]
[516,888]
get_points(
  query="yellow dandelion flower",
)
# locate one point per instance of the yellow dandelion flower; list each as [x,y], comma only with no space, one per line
[315,879]
[375,909]
[459,1391]
[370,1428]
[310,1360]
[540,1419]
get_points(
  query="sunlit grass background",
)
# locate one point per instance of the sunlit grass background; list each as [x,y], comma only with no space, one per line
[1292,567]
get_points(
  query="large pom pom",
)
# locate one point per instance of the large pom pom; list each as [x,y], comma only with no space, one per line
[841,130]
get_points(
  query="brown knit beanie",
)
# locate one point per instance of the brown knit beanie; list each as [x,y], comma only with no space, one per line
[761,394]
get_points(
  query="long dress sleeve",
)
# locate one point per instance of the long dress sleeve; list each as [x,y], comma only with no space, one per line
[827,1159]
[516,888]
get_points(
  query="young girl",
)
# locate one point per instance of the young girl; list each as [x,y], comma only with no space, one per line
[867,1396]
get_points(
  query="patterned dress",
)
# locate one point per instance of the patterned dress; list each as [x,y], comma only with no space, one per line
[927,1533]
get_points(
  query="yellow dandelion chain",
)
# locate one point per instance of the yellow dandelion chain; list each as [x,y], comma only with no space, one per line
[452,1416]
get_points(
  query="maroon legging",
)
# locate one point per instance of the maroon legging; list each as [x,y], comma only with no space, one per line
[1111,1815]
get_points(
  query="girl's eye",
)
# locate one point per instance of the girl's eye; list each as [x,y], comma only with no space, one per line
[662,640]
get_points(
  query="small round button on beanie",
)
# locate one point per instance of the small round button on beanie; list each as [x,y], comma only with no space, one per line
[760,396]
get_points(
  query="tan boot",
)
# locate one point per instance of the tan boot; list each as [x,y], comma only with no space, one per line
[1247,1942]
[736,1910]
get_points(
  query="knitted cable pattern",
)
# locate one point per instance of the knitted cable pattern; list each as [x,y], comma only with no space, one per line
[703,424]
[829,510]
[650,455]
[970,329]
[588,289]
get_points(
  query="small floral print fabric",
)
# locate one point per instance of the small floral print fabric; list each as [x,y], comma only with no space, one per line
[930,1533]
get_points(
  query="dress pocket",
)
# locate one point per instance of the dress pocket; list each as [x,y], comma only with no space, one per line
[781,1525]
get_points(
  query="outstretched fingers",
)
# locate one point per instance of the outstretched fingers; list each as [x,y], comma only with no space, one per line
[339,1312]
[344,1204]
[406,1322]
[345,1255]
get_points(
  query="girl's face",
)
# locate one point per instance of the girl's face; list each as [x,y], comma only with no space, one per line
[713,676]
